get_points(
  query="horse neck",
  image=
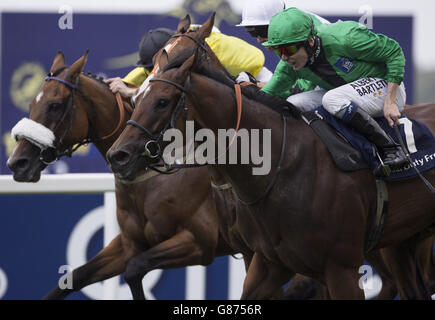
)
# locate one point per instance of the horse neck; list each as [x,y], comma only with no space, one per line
[212,59]
[102,112]
[214,107]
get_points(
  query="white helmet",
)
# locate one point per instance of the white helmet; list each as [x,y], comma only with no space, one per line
[259,12]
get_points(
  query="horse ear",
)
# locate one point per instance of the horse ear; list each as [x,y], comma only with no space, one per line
[163,59]
[186,66]
[184,24]
[77,67]
[58,62]
[206,28]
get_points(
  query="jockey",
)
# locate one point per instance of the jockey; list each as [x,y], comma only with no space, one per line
[361,70]
[235,54]
[256,16]
[150,43]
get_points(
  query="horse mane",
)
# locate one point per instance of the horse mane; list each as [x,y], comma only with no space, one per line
[277,104]
[251,92]
[95,77]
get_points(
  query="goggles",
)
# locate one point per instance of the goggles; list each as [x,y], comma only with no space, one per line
[257,31]
[288,49]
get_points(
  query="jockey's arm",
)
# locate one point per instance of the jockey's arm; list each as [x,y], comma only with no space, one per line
[117,85]
[369,46]
[282,80]
[391,111]
[128,86]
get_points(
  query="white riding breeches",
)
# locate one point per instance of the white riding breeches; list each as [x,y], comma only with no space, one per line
[264,75]
[368,94]
[307,101]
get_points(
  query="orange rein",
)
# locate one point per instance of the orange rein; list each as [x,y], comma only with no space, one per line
[239,109]
[121,107]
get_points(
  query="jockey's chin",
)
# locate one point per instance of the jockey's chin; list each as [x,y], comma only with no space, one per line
[298,60]
[296,65]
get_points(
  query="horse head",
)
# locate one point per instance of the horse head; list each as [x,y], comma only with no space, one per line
[142,143]
[193,39]
[49,132]
[186,39]
[132,155]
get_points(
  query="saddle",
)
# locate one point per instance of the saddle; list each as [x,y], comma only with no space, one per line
[351,151]
[345,156]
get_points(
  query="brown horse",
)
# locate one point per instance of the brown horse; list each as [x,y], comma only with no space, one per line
[158,227]
[288,230]
[156,221]
[412,261]
[181,42]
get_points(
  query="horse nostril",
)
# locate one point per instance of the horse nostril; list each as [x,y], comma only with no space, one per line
[18,165]
[119,158]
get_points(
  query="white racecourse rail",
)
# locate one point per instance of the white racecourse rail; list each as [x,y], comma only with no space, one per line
[82,183]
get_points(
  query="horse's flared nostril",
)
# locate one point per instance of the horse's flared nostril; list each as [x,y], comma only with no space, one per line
[118,158]
[18,164]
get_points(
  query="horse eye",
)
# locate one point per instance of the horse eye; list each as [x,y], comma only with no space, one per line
[162,103]
[54,106]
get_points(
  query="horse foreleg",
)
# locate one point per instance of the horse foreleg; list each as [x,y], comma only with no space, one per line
[264,280]
[343,282]
[303,288]
[426,260]
[389,289]
[179,251]
[108,263]
[406,273]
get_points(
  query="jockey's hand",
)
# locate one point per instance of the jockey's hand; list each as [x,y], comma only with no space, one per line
[242,77]
[391,112]
[245,77]
[117,85]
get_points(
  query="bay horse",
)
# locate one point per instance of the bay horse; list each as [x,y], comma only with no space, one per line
[184,39]
[157,225]
[288,230]
[155,219]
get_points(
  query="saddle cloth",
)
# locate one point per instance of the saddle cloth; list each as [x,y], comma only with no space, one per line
[416,136]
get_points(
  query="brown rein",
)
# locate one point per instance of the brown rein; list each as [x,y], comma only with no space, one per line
[121,106]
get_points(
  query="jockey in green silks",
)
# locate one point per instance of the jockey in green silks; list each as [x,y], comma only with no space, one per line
[361,72]
[256,17]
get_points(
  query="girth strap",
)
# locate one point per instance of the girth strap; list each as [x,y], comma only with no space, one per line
[378,222]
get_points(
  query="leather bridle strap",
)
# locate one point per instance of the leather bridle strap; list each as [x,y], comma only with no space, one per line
[120,105]
[180,87]
[239,109]
[199,44]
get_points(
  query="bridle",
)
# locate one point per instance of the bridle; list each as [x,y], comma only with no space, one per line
[154,151]
[155,139]
[51,154]
[152,147]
